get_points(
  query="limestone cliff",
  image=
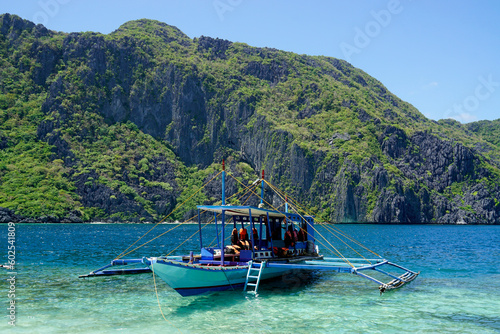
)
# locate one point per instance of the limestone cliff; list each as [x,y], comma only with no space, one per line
[135,119]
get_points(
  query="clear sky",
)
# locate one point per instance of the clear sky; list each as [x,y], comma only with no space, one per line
[441,56]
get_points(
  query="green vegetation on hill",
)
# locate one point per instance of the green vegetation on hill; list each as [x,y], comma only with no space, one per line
[126,126]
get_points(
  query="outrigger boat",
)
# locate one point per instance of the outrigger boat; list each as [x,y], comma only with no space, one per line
[279,243]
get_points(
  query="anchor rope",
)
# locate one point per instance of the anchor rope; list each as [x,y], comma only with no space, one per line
[158,300]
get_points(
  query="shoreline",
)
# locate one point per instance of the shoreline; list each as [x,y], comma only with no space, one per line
[195,223]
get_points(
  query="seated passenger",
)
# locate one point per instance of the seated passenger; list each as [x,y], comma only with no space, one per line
[290,237]
[232,250]
[302,235]
[244,239]
[234,237]
[235,241]
[255,237]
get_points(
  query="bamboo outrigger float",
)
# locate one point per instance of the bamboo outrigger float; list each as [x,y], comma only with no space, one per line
[287,242]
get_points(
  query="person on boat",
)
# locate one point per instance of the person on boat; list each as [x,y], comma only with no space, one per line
[244,239]
[234,237]
[290,237]
[255,237]
[232,249]
[235,241]
[301,235]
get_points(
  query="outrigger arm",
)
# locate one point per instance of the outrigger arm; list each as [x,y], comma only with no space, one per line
[120,262]
[341,265]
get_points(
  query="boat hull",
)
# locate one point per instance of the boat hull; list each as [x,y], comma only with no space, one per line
[194,279]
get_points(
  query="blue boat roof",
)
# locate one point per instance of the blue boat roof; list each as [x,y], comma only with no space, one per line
[240,210]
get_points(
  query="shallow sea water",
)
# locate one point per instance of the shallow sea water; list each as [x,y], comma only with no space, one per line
[458,290]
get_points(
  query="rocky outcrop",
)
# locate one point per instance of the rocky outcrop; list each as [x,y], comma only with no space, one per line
[206,99]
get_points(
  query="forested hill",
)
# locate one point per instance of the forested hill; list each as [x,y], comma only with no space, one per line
[124,126]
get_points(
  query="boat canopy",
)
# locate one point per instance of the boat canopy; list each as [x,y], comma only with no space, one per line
[239,210]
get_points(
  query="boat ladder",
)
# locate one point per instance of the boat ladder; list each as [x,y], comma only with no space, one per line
[253,275]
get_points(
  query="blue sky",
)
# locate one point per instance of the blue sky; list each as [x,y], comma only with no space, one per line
[441,56]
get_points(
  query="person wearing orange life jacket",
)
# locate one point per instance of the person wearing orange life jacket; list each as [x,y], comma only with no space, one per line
[290,237]
[236,245]
[244,238]
[302,235]
[255,237]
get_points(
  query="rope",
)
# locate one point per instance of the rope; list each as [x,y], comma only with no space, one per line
[345,243]
[182,243]
[337,230]
[296,203]
[147,242]
[336,250]
[217,236]
[272,187]
[158,300]
[163,219]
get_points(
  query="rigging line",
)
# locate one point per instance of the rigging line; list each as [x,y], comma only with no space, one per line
[163,219]
[250,188]
[337,230]
[254,192]
[158,300]
[335,250]
[173,228]
[334,233]
[251,191]
[345,243]
[293,207]
[182,243]
[187,220]
[213,241]
[326,247]
[246,188]
[296,203]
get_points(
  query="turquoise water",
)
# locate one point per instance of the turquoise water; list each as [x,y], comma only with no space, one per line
[458,290]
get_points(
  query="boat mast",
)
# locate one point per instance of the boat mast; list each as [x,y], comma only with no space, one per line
[261,206]
[223,211]
[223,182]
[262,190]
